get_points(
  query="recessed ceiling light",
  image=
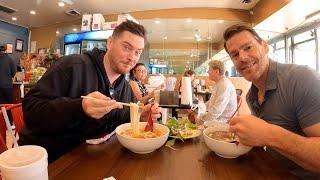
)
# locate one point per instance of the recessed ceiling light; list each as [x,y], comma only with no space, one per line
[189,20]
[57,32]
[75,29]
[32,12]
[157,21]
[220,21]
[14,18]
[61,4]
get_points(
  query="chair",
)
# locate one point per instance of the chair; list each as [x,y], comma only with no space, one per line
[3,146]
[239,102]
[239,92]
[3,129]
[17,115]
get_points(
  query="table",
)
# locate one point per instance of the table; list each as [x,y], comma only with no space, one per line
[205,95]
[192,160]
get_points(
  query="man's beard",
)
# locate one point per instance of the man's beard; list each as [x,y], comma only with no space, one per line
[115,66]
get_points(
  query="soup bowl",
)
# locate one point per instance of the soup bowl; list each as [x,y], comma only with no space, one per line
[222,148]
[140,145]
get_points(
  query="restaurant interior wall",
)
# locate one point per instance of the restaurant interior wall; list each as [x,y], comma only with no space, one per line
[46,36]
[9,33]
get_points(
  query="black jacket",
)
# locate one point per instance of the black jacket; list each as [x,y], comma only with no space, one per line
[7,71]
[53,112]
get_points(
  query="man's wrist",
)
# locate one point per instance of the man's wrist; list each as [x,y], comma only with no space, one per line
[274,134]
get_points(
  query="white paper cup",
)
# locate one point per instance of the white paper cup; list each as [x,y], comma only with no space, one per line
[157,96]
[24,162]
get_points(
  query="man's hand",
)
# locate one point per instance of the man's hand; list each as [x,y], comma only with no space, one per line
[251,131]
[97,108]
[155,112]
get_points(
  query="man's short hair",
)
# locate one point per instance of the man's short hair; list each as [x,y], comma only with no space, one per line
[215,64]
[237,28]
[3,48]
[188,73]
[131,27]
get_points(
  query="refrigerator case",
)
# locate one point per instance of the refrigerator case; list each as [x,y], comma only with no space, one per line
[71,49]
[88,45]
[76,43]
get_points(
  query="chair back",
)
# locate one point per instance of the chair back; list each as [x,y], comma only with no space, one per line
[17,114]
[3,129]
[238,92]
[3,146]
[239,102]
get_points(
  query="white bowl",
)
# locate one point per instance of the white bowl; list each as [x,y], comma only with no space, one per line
[142,146]
[214,123]
[221,148]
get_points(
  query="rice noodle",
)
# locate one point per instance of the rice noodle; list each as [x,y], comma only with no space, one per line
[135,118]
[142,134]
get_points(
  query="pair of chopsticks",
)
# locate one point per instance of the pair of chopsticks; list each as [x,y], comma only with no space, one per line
[122,103]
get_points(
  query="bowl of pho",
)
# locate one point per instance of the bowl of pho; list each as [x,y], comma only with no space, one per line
[142,142]
[224,143]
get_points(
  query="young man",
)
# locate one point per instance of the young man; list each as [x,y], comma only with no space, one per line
[7,72]
[284,100]
[55,115]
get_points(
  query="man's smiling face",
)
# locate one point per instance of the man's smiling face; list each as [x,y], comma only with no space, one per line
[250,57]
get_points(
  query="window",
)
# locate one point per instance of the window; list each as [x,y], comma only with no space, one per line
[300,48]
[304,36]
[277,51]
[305,54]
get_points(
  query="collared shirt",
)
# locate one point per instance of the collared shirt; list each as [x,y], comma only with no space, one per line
[292,101]
[222,103]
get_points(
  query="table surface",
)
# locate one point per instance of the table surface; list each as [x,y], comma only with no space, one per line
[191,160]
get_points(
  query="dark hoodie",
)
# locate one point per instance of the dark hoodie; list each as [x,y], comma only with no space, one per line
[53,114]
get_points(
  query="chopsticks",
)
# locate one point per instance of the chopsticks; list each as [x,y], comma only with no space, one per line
[87,97]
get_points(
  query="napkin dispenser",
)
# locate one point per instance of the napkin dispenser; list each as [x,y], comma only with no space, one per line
[169,97]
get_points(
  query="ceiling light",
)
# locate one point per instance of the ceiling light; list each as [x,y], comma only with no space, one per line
[220,21]
[32,12]
[14,18]
[157,21]
[197,36]
[57,32]
[75,29]
[189,20]
[61,4]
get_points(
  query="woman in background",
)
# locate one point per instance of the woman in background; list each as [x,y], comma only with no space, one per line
[137,75]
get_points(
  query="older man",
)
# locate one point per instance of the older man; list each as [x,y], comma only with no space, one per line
[223,101]
[284,100]
[55,115]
